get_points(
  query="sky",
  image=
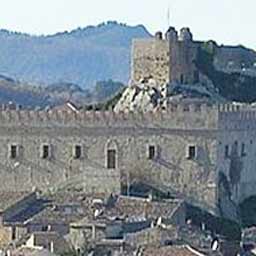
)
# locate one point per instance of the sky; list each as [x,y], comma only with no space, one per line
[225,21]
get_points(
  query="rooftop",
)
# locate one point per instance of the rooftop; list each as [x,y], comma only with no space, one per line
[8,198]
[65,208]
[135,208]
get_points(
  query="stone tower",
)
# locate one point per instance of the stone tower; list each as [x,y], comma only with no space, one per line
[169,59]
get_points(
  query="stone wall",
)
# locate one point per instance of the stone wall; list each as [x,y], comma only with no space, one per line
[130,134]
[152,236]
[150,58]
[239,163]
[205,130]
[182,62]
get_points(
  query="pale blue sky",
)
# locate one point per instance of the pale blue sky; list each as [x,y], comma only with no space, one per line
[226,21]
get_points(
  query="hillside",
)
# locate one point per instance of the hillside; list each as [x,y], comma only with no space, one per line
[82,56]
[38,97]
[236,83]
[82,64]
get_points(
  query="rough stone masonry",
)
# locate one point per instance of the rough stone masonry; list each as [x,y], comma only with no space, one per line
[205,153]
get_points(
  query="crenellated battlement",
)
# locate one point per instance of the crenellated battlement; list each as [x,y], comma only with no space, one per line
[185,116]
[176,116]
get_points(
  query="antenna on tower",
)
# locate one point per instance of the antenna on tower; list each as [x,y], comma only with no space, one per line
[168,17]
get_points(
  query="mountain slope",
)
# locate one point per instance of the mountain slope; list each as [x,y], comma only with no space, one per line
[82,56]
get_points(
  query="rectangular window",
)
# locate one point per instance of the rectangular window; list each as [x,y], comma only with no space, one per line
[196,76]
[151,152]
[243,153]
[191,152]
[13,151]
[45,153]
[44,228]
[13,233]
[226,151]
[77,153]
[111,159]
[181,78]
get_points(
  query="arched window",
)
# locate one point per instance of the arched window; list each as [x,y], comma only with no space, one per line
[111,155]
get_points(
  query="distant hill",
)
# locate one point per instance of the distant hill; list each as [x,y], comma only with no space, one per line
[40,97]
[82,56]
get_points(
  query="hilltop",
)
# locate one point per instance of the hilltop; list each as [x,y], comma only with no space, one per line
[81,56]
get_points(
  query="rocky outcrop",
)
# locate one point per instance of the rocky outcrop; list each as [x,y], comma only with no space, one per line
[147,95]
[144,96]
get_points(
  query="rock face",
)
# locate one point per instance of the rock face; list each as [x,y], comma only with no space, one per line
[144,96]
[148,95]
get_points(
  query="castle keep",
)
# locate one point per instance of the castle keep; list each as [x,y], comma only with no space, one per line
[169,59]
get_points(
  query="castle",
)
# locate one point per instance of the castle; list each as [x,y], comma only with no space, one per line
[203,152]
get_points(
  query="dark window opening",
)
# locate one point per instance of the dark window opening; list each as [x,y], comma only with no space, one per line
[196,76]
[191,152]
[14,151]
[226,151]
[45,151]
[182,79]
[243,153]
[111,159]
[151,152]
[13,233]
[77,152]
[44,228]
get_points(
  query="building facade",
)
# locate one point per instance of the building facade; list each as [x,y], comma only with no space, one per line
[205,153]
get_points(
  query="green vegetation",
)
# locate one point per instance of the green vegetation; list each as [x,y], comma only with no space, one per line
[248,212]
[106,89]
[234,86]
[34,96]
[226,228]
[107,104]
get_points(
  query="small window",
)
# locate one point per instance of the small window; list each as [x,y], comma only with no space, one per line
[45,153]
[111,159]
[77,153]
[151,152]
[243,153]
[182,79]
[13,151]
[191,152]
[44,228]
[196,76]
[13,233]
[226,151]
